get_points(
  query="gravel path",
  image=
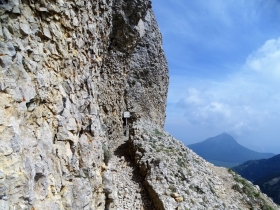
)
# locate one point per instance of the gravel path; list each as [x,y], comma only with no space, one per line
[128,181]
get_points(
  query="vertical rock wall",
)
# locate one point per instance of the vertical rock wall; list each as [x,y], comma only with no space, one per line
[68,71]
[134,74]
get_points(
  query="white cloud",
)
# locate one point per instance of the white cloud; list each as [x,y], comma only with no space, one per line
[243,102]
[212,39]
[193,97]
[266,60]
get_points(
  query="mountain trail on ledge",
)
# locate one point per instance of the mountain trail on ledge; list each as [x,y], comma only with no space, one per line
[127,179]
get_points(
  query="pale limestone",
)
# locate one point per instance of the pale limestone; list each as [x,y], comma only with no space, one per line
[69,69]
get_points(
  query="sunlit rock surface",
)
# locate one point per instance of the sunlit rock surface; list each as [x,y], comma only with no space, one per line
[69,69]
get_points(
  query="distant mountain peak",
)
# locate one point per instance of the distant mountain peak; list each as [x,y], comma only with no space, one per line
[222,138]
[224,147]
[225,134]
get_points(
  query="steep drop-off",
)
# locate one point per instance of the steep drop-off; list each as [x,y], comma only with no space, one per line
[265,173]
[257,169]
[69,69]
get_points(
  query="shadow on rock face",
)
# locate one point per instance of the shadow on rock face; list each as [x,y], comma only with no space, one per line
[122,153]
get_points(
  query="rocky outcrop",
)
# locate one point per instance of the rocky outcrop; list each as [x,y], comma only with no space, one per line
[51,134]
[177,178]
[134,75]
[69,69]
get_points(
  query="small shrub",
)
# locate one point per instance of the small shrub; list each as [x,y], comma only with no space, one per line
[180,162]
[267,207]
[204,198]
[192,187]
[172,188]
[166,151]
[230,170]
[257,194]
[107,154]
[197,161]
[212,190]
[158,149]
[157,132]
[236,188]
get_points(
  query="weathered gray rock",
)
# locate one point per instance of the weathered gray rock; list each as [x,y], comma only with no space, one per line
[56,85]
[141,77]
[25,28]
[7,48]
[177,178]
[69,69]
[49,157]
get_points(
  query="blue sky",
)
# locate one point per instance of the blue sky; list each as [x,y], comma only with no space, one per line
[224,66]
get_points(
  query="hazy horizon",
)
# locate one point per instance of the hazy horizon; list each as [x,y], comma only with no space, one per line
[230,135]
[224,64]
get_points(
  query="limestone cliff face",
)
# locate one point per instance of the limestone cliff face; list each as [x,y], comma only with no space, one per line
[134,75]
[68,71]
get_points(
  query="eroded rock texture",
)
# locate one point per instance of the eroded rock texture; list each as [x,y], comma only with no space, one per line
[68,71]
[177,178]
[134,74]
